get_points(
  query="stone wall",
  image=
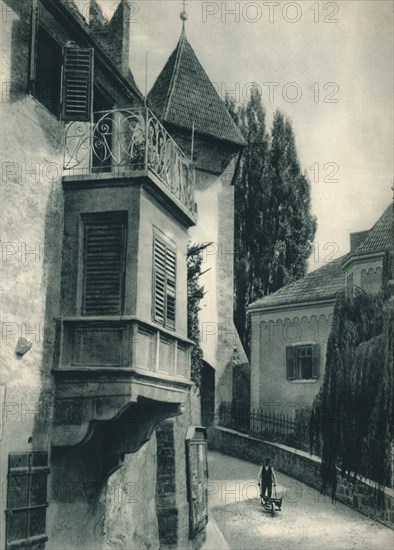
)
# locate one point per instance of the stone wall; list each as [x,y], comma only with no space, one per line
[167,512]
[172,505]
[130,502]
[358,494]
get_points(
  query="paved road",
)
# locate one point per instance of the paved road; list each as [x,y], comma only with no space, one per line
[308,520]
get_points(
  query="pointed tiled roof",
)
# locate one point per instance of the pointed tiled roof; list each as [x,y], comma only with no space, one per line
[322,284]
[183,95]
[380,237]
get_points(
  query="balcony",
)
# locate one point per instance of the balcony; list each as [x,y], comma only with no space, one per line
[123,343]
[109,369]
[129,140]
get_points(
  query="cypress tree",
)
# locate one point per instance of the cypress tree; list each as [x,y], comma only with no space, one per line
[250,205]
[274,229]
[293,226]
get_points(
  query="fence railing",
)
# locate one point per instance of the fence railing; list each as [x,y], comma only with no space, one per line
[265,424]
[132,138]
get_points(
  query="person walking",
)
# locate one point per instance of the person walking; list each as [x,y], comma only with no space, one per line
[266,479]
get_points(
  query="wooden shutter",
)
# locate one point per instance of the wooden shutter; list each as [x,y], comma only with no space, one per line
[160,281]
[290,363]
[26,500]
[171,287]
[164,309]
[315,361]
[35,17]
[105,245]
[77,84]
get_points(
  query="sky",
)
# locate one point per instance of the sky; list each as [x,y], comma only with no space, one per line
[327,65]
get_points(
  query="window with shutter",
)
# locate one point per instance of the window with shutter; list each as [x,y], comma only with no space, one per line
[27,500]
[77,85]
[104,264]
[164,299]
[302,362]
[60,78]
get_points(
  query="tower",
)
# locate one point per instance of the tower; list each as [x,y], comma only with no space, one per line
[186,102]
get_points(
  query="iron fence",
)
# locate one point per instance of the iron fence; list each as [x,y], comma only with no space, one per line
[265,424]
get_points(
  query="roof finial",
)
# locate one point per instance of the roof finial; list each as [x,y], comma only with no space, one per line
[184,15]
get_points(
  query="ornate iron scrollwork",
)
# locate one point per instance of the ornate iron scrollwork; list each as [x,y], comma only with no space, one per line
[134,138]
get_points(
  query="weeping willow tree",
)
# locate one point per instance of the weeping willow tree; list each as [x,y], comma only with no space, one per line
[352,416]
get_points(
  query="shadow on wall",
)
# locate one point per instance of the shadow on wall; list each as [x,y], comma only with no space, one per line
[207,395]
[241,385]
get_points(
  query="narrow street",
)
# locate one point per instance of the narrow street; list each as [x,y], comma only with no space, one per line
[307,520]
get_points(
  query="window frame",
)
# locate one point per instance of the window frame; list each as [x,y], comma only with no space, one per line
[169,246]
[293,368]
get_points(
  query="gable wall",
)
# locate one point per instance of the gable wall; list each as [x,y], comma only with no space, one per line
[272,332]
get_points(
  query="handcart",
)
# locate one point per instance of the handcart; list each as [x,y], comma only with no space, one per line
[271,504]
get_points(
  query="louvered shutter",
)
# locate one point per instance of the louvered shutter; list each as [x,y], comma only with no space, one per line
[290,363]
[105,244]
[160,281]
[164,309]
[315,361]
[171,287]
[77,84]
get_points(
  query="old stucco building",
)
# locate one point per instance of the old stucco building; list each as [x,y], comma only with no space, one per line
[290,328]
[101,439]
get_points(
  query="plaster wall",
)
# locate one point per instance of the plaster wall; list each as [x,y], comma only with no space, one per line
[130,507]
[272,332]
[367,274]
[31,235]
[215,201]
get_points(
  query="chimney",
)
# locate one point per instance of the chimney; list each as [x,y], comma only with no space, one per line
[114,35]
[119,36]
[97,19]
[356,239]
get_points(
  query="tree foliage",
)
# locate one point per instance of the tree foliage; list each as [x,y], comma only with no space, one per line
[274,228]
[195,293]
[352,414]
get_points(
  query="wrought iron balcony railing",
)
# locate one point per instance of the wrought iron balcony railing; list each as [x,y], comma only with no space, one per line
[134,139]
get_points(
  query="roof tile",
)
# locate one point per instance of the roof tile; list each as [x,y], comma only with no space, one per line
[380,237]
[323,283]
[183,95]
